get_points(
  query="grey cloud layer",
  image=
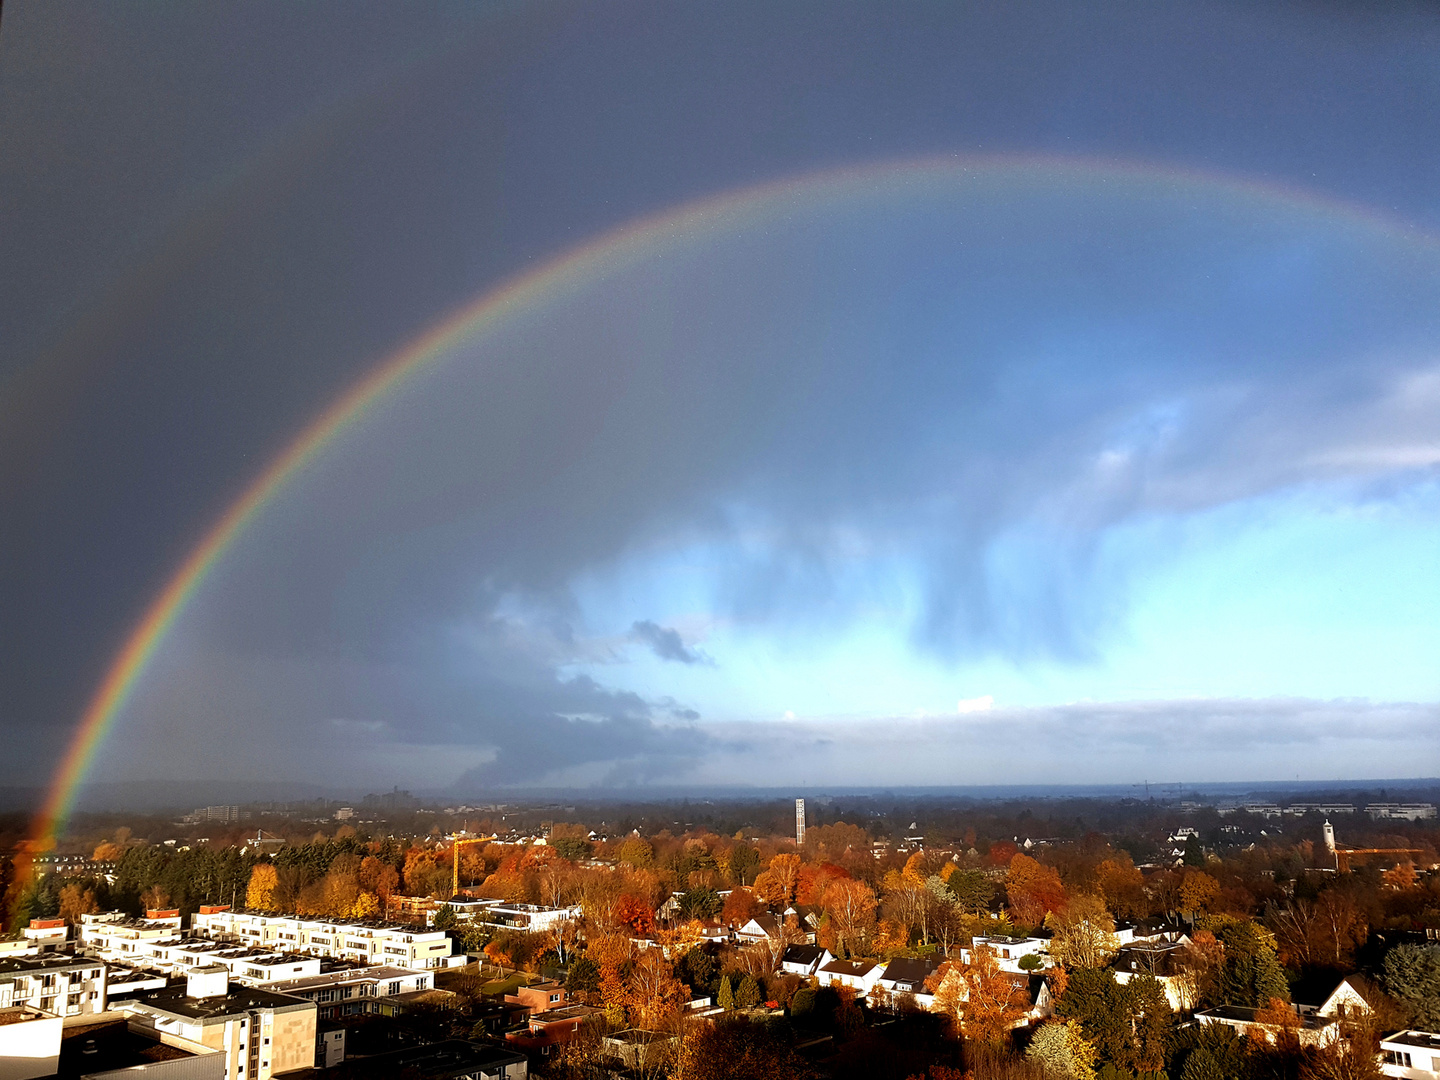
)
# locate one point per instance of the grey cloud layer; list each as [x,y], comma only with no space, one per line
[1100,742]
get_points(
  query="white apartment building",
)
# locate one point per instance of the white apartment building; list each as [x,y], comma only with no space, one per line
[260,1033]
[53,983]
[121,939]
[530,917]
[29,1043]
[353,991]
[1401,811]
[363,942]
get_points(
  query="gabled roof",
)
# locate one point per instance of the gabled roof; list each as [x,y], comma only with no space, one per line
[909,973]
[808,955]
[857,969]
[768,925]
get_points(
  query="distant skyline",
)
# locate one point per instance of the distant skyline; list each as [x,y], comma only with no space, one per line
[1019,398]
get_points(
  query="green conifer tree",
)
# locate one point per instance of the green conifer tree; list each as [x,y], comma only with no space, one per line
[726,998]
[748,995]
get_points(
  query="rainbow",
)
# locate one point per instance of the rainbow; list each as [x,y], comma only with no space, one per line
[609,252]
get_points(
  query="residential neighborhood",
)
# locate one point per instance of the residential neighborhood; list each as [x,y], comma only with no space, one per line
[580,950]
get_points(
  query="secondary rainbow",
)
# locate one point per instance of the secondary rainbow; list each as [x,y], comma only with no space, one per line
[607,253]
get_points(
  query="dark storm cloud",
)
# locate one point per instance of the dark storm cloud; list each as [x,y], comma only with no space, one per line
[665,643]
[386,597]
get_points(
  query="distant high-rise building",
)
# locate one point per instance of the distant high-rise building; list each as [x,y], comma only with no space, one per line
[224,814]
[800,823]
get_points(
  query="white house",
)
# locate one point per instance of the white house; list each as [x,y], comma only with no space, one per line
[1411,1054]
[804,960]
[858,975]
[1009,951]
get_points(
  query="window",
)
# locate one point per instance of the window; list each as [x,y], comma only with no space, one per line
[1396,1057]
[394,988]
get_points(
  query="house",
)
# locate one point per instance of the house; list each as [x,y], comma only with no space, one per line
[1351,998]
[363,941]
[29,1043]
[550,1029]
[907,975]
[638,1049]
[804,960]
[1411,1054]
[1311,1029]
[1161,960]
[858,975]
[1034,992]
[540,998]
[760,928]
[1010,951]
[341,989]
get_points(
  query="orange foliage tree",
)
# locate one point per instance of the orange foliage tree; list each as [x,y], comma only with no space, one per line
[634,915]
[984,1002]
[1033,890]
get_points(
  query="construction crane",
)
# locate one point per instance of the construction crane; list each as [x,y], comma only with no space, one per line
[455,847]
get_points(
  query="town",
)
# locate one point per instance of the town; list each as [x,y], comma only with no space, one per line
[863,936]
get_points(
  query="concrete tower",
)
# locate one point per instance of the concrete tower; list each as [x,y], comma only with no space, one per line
[799,823]
[1329,831]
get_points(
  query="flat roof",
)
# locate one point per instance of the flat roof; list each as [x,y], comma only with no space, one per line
[1414,1038]
[452,1058]
[570,1012]
[23,965]
[174,1000]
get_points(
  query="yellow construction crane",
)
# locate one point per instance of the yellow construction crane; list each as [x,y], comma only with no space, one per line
[455,847]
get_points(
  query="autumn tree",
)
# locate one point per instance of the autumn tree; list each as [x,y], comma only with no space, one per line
[1033,890]
[378,877]
[738,1049]
[983,1001]
[75,900]
[1083,933]
[1198,892]
[264,880]
[155,898]
[740,907]
[850,907]
[778,884]
[653,995]
[636,852]
[633,914]
[1122,885]
[1062,1051]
